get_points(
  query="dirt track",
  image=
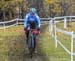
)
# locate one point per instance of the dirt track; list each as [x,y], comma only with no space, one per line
[19,52]
[18,49]
[13,46]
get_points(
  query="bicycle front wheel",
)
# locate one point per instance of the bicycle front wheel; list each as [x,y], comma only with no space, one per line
[31,44]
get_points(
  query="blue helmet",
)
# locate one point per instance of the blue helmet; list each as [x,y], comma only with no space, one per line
[33,10]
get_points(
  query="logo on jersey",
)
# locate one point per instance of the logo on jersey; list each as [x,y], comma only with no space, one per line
[32,18]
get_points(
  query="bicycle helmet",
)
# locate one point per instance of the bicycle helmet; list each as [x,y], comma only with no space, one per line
[32,10]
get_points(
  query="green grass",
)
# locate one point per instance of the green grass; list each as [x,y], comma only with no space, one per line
[57,54]
[71,26]
[48,48]
[12,45]
[64,37]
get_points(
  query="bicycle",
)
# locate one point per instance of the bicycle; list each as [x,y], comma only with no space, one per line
[32,41]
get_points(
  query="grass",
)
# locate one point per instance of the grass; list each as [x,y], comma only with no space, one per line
[57,54]
[12,45]
[70,26]
[64,37]
[48,48]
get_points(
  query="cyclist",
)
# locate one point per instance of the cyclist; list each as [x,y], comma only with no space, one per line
[33,20]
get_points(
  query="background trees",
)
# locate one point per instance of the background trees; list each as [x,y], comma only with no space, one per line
[59,7]
[10,9]
[7,9]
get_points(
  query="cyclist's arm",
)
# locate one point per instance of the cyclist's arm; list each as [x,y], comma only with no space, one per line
[25,21]
[38,20]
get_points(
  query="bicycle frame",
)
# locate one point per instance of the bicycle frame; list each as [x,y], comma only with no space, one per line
[31,41]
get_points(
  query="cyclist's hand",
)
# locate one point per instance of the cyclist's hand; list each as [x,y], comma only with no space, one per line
[38,29]
[25,29]
[28,28]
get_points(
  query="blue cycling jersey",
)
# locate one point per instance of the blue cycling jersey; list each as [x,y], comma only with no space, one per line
[31,18]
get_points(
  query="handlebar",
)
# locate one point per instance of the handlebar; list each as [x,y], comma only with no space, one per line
[34,31]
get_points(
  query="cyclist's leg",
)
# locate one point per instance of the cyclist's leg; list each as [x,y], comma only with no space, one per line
[27,34]
[34,41]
